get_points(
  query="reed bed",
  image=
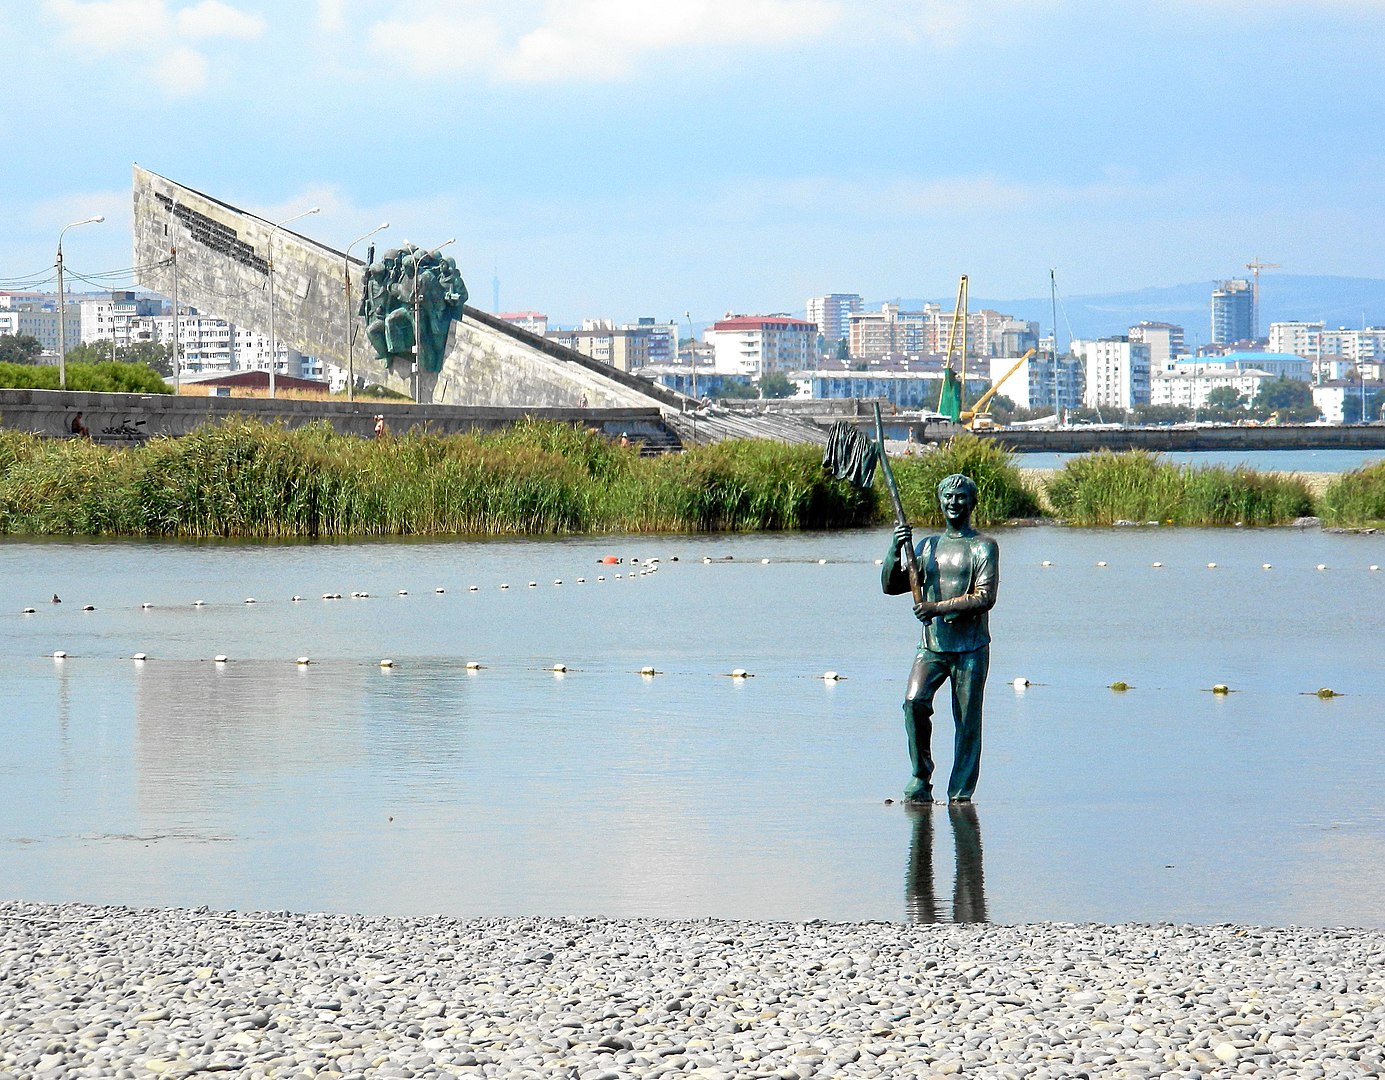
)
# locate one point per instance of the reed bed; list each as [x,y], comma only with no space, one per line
[243,478]
[1104,488]
[1002,494]
[1355,499]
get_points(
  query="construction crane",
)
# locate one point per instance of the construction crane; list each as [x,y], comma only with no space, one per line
[954,385]
[978,416]
[1255,266]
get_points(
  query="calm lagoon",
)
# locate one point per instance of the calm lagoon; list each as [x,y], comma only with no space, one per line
[512,789]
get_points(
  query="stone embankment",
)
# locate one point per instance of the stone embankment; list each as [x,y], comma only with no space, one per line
[108,992]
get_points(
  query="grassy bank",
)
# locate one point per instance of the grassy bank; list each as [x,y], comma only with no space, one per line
[244,478]
[1103,488]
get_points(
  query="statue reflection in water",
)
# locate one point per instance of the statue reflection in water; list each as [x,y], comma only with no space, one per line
[969,887]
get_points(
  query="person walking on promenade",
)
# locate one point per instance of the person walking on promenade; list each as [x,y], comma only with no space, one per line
[960,571]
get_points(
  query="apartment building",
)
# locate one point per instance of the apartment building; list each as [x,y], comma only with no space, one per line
[1165,341]
[32,317]
[1233,312]
[832,315]
[536,322]
[1032,384]
[660,345]
[1116,371]
[1301,338]
[1188,384]
[872,335]
[1366,344]
[754,345]
[108,319]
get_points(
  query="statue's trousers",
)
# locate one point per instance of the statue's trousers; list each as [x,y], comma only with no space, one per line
[967,673]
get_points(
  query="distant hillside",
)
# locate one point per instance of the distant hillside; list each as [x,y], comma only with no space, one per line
[1337,301]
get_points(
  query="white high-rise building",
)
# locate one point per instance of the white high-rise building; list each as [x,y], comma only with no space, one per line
[1300,338]
[1117,372]
[754,345]
[108,319]
[874,334]
[1355,345]
[831,314]
[1165,341]
[1032,384]
[36,321]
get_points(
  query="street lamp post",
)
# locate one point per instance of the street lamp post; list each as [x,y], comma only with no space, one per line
[419,256]
[692,357]
[346,326]
[62,301]
[273,343]
[173,266]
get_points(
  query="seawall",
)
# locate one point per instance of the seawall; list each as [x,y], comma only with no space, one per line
[50,412]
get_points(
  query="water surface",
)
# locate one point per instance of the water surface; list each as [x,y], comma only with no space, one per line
[513,789]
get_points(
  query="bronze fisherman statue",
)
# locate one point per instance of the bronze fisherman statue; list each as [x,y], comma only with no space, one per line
[960,572]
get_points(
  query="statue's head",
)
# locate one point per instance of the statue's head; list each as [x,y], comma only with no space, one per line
[957,497]
[958,482]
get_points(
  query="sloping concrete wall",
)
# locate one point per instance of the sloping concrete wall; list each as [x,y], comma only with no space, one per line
[223,256]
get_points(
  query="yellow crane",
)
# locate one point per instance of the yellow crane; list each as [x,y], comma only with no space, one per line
[978,416]
[1255,266]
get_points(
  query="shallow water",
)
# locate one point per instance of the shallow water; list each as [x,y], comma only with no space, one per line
[343,786]
[1333,460]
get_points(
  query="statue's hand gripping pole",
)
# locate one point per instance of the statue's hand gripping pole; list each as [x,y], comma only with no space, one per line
[911,565]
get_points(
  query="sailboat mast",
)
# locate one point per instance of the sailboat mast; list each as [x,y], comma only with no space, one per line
[1053,301]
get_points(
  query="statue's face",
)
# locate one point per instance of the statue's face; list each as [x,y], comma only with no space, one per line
[957,504]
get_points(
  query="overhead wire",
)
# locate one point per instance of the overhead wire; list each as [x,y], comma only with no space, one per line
[28,281]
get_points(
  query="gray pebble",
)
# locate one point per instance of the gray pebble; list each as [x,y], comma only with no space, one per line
[113,992]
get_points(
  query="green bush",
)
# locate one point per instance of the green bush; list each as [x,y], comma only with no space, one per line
[1105,487]
[1001,491]
[1355,498]
[107,377]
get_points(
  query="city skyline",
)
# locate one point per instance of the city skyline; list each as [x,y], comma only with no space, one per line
[606,160]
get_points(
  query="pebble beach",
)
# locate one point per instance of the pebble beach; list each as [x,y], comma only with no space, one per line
[116,992]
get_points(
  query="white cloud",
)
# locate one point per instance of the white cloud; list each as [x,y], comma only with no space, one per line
[213,19]
[591,39]
[331,15]
[109,26]
[160,38]
[180,71]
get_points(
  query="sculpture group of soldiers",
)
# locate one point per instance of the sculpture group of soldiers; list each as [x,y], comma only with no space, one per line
[404,281]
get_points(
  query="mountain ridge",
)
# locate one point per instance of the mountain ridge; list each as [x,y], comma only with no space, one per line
[1336,301]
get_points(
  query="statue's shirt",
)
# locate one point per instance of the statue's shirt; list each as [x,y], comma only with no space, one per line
[965,570]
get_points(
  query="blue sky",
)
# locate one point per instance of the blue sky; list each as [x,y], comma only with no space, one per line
[617,158]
